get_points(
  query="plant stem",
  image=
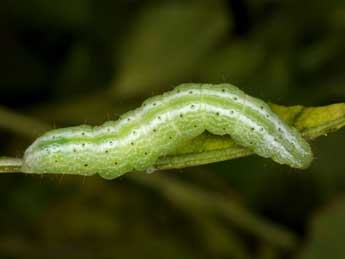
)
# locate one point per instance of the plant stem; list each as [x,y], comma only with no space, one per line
[10,165]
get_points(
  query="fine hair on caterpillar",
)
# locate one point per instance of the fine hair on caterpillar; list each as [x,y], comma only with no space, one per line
[138,138]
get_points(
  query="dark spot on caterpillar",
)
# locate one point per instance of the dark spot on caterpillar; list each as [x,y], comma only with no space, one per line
[83,144]
[170,137]
[223,90]
[190,92]
[129,119]
[261,129]
[181,115]
[107,151]
[224,129]
[195,126]
[178,91]
[154,130]
[232,112]
[56,161]
[115,163]
[74,150]
[145,153]
[267,116]
[154,104]
[252,129]
[144,104]
[192,106]
[110,142]
[217,113]
[132,143]
[134,132]
[83,133]
[280,129]
[86,165]
[54,137]
[159,118]
[108,129]
[235,98]
[261,107]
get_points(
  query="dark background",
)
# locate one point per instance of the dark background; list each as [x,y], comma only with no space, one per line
[85,61]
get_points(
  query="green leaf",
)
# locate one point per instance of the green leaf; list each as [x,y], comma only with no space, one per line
[317,121]
[156,53]
[207,148]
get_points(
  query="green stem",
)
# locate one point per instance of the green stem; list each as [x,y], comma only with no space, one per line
[10,165]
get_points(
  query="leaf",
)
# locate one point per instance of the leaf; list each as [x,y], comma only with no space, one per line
[156,53]
[207,148]
[318,121]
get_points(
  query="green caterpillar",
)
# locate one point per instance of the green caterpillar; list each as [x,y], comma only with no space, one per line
[139,137]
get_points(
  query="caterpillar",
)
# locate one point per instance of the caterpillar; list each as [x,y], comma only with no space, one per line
[139,137]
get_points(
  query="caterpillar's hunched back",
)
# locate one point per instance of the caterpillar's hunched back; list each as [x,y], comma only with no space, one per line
[139,137]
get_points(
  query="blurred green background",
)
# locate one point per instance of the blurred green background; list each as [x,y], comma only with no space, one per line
[85,61]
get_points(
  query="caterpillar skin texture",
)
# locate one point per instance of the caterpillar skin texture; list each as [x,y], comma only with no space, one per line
[139,137]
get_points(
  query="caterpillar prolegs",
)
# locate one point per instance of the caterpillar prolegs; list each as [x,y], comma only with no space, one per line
[141,136]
